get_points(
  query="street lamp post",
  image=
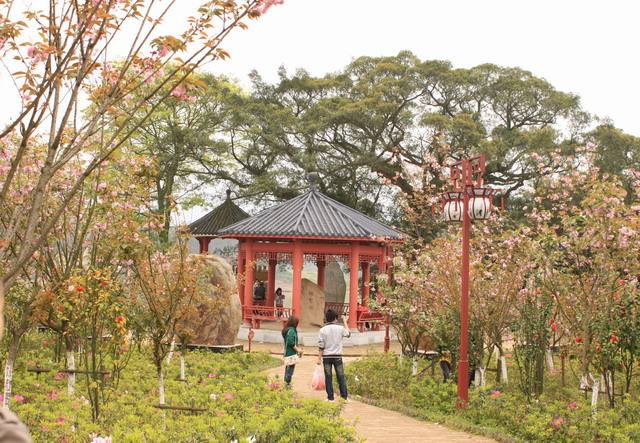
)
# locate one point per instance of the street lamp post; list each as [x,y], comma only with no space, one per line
[467,201]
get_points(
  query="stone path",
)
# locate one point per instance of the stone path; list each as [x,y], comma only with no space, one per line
[376,424]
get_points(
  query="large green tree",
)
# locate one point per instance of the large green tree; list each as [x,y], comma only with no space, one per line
[184,135]
[396,120]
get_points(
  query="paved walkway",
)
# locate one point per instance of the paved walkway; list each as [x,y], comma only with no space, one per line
[376,424]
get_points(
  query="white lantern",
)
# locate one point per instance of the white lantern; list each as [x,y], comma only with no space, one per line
[480,203]
[452,209]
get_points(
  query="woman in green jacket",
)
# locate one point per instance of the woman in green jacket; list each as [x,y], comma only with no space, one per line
[291,351]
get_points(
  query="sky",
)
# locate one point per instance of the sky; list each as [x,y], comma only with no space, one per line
[585,47]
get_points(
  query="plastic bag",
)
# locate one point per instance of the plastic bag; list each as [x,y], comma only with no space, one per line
[317,381]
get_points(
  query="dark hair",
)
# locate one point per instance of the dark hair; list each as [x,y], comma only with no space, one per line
[291,323]
[279,290]
[330,316]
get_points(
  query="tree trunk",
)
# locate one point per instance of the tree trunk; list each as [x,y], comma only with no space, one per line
[161,385]
[172,348]
[182,371]
[595,390]
[480,378]
[610,388]
[504,377]
[8,371]
[414,366]
[539,373]
[71,377]
[549,358]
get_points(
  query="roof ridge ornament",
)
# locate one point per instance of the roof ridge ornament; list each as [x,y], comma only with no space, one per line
[313,178]
[228,194]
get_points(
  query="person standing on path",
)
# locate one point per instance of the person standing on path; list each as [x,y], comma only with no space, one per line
[330,352]
[291,351]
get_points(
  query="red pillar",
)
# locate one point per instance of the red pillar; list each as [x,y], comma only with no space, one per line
[240,273]
[354,266]
[382,268]
[204,244]
[366,283]
[249,275]
[271,282]
[463,363]
[298,263]
[321,267]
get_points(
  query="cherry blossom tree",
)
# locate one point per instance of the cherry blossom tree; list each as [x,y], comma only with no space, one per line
[590,238]
[167,287]
[71,63]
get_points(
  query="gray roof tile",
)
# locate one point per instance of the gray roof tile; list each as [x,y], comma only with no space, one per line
[312,214]
[226,214]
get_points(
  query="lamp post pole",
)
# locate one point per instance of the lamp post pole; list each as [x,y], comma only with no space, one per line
[467,183]
[463,364]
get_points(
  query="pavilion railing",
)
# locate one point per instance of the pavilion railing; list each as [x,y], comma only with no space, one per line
[256,314]
[341,308]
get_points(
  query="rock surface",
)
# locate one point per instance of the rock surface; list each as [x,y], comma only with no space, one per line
[311,305]
[335,286]
[219,325]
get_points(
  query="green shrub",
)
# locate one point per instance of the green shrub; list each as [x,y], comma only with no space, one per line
[240,404]
[559,415]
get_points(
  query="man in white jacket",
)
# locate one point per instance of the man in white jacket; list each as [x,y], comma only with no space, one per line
[330,352]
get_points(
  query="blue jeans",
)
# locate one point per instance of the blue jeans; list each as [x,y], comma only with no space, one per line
[336,362]
[288,373]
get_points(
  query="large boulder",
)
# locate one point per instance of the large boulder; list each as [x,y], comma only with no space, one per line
[311,305]
[335,285]
[219,324]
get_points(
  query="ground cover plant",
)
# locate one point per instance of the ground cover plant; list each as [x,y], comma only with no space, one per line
[240,403]
[561,414]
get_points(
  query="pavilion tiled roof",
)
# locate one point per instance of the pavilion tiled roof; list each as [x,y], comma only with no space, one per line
[312,214]
[224,215]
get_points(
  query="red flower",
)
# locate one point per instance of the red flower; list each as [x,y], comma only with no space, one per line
[573,405]
[614,338]
[622,282]
[554,327]
[120,319]
[103,284]
[578,339]
[79,289]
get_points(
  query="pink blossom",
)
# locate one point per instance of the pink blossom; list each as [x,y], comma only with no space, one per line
[573,405]
[495,393]
[52,395]
[60,420]
[264,5]
[179,92]
[59,376]
[227,396]
[18,398]
[163,51]
[211,375]
[557,422]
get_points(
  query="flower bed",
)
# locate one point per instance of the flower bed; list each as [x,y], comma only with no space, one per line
[240,404]
[500,413]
